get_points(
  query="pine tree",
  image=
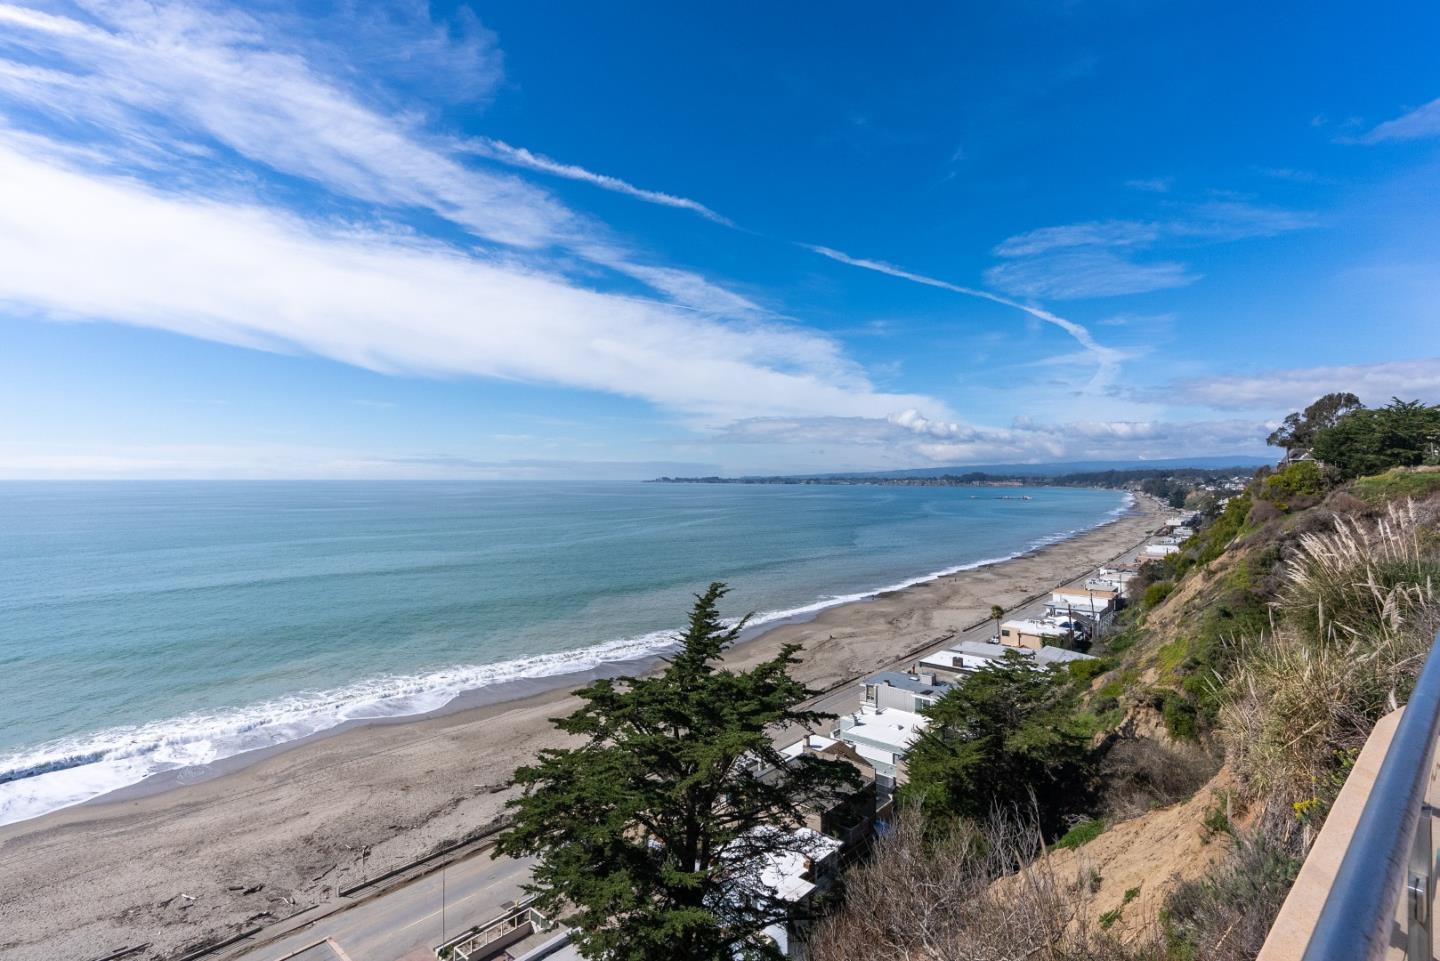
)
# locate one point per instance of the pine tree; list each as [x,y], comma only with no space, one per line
[651,830]
[1007,736]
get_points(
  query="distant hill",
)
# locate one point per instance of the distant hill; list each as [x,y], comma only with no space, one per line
[1059,468]
[1157,477]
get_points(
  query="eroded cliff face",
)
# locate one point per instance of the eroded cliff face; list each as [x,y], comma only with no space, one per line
[1124,877]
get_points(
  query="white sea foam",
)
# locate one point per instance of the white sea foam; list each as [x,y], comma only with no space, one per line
[65,772]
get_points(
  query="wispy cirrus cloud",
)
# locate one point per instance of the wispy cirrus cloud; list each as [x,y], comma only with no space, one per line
[115,121]
[503,152]
[1107,359]
[1419,124]
[1152,185]
[1101,258]
[194,94]
[1214,221]
[78,246]
[1080,274]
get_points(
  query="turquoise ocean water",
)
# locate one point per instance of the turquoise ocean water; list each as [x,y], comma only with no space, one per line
[147,627]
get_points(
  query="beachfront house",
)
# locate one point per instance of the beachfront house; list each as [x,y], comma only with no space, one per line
[908,692]
[1161,550]
[1109,582]
[1084,612]
[882,736]
[794,876]
[965,657]
[1034,634]
[849,819]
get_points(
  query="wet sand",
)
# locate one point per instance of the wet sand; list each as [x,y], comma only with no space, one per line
[171,867]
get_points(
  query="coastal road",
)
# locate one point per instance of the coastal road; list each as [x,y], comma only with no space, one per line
[405,923]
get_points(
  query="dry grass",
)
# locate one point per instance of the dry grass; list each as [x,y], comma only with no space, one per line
[1141,774]
[1226,915]
[928,898]
[1357,616]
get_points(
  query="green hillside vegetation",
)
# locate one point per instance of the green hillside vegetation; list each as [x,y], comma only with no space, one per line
[1414,482]
[1269,645]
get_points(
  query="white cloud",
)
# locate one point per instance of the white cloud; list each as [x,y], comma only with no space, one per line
[1097,258]
[1421,123]
[520,157]
[910,439]
[166,86]
[79,246]
[1077,274]
[1214,221]
[1285,390]
[139,71]
[1107,360]
[1153,185]
[1099,233]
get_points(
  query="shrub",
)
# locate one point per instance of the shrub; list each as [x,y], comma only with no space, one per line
[1181,720]
[1226,915]
[1140,774]
[930,891]
[1298,485]
[1228,526]
[1083,672]
[1082,833]
[1156,593]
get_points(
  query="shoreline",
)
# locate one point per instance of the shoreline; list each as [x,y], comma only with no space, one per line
[293,818]
[590,664]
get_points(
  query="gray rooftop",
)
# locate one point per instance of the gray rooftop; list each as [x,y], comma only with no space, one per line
[980,649]
[906,683]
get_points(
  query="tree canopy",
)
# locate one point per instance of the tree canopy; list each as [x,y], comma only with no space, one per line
[1368,441]
[1005,731]
[651,830]
[1298,430]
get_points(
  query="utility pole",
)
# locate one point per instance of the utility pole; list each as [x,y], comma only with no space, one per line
[442,904]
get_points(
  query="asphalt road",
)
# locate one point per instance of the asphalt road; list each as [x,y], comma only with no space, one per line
[405,923]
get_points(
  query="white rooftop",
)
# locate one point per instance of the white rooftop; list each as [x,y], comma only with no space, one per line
[783,871]
[816,742]
[890,727]
[1036,628]
[1083,603]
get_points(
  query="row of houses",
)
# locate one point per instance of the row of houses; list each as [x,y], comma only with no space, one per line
[891,718]
[875,739]
[1173,532]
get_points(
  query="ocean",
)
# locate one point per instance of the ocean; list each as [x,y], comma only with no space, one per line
[154,626]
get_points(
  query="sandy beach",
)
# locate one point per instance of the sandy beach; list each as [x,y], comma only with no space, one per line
[173,868]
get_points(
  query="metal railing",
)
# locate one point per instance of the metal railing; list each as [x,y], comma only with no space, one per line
[1390,852]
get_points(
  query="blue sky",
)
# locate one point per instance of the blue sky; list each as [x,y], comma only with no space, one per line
[615,240]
